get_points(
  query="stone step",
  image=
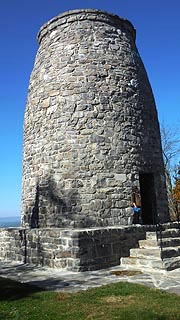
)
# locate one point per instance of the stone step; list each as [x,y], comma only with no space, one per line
[170,252]
[173,233]
[163,253]
[170,242]
[151,235]
[142,263]
[171,225]
[171,263]
[164,233]
[149,243]
[151,253]
[165,242]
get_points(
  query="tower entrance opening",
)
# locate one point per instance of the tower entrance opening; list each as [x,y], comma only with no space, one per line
[148,198]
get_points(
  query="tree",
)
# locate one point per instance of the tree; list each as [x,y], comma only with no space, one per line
[176,191]
[170,137]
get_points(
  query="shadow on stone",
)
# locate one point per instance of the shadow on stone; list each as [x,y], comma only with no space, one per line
[64,205]
[35,210]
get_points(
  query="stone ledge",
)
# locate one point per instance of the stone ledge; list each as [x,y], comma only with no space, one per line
[85,14]
[71,249]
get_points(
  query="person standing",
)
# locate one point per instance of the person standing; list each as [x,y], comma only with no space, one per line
[136,205]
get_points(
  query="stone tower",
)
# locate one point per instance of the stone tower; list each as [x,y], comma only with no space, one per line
[91,130]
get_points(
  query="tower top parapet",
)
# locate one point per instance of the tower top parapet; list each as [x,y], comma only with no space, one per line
[85,14]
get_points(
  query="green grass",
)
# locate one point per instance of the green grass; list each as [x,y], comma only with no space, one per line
[117,301]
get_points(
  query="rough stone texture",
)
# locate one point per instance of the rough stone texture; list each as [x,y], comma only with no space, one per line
[90,125]
[160,250]
[70,249]
[12,244]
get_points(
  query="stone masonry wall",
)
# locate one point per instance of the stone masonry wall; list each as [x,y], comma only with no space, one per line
[12,245]
[90,125]
[77,250]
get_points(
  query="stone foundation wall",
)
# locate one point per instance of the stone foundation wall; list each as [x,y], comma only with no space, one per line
[12,246]
[73,249]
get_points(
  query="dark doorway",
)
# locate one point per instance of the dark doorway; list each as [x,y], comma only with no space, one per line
[148,198]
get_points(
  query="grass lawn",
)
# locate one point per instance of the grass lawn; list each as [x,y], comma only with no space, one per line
[116,301]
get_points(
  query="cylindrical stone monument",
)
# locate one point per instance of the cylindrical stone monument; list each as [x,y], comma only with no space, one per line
[91,130]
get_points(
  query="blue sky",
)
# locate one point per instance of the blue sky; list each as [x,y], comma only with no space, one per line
[157,23]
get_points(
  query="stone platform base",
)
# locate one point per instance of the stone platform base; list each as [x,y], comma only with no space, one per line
[72,249]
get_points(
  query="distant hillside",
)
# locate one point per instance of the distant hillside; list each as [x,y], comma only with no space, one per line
[9,222]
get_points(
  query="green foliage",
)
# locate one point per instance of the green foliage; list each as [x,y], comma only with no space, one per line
[117,301]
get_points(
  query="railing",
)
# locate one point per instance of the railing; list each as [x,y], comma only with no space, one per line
[159,226]
[159,229]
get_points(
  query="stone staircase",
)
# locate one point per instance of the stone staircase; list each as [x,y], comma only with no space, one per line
[160,250]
